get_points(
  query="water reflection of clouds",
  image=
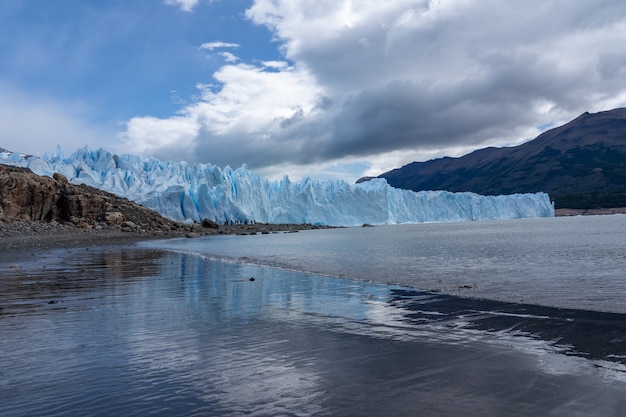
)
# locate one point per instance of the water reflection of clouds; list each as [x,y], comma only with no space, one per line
[181,326]
[380,311]
[567,262]
[225,355]
[252,377]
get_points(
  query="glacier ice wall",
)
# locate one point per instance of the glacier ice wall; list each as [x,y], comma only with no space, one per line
[190,192]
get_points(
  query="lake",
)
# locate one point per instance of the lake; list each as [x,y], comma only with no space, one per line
[570,262]
[515,318]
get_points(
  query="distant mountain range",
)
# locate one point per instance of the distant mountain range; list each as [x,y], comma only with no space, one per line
[581,164]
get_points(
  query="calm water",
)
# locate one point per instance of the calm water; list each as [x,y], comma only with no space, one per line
[571,262]
[139,331]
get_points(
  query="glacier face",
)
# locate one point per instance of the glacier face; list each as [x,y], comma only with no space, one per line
[192,192]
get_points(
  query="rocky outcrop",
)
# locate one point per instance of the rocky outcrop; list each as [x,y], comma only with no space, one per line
[26,196]
[30,197]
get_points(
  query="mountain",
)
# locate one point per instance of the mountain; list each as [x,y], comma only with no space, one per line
[581,164]
[192,192]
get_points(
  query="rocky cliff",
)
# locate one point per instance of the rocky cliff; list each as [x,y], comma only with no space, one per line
[30,197]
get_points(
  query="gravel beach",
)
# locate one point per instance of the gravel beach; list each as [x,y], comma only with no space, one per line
[21,239]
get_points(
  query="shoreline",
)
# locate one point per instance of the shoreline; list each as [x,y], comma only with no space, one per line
[41,249]
[20,240]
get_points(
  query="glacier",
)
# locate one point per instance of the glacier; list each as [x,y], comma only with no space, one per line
[192,192]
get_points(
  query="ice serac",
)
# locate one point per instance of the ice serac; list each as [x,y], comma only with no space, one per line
[191,192]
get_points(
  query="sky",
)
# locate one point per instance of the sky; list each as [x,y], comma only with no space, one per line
[330,89]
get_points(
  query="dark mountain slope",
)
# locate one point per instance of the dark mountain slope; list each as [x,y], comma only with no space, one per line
[581,164]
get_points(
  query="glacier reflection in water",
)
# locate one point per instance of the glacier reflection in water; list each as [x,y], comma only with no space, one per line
[143,332]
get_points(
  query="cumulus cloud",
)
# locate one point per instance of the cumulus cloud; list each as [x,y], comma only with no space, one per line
[241,121]
[185,5]
[394,81]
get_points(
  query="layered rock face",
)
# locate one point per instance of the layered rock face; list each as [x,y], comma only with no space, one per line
[27,196]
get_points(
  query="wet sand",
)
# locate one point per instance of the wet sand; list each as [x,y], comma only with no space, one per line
[119,330]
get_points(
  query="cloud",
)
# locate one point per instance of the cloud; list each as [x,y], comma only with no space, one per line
[228,57]
[218,45]
[185,5]
[388,81]
[33,125]
[240,122]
